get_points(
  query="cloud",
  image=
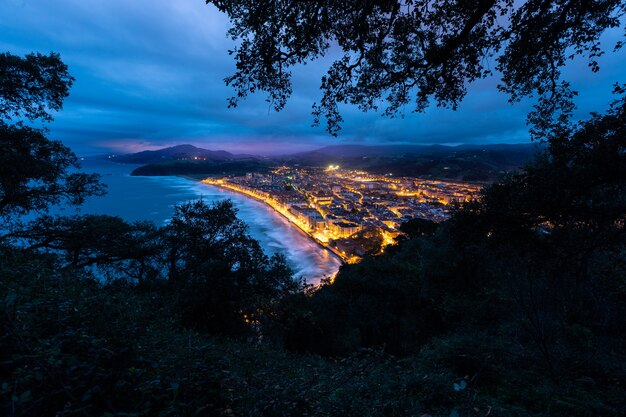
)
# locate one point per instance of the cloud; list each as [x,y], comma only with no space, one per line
[150,74]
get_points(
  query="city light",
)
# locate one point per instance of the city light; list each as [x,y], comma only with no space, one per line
[348,211]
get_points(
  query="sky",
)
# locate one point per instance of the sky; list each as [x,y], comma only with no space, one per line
[150,73]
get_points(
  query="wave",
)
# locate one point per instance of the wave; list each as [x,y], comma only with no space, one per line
[154,198]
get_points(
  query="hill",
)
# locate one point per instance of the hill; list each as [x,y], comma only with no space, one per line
[465,162]
[208,167]
[180,152]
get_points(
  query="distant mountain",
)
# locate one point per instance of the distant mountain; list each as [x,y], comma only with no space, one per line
[180,152]
[334,152]
[356,151]
[466,162]
[203,168]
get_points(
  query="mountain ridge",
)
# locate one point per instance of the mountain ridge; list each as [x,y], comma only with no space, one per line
[463,162]
[188,151]
[178,152]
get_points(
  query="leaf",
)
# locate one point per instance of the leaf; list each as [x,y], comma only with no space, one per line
[460,386]
[10,300]
[25,396]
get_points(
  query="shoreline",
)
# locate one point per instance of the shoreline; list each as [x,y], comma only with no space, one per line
[320,244]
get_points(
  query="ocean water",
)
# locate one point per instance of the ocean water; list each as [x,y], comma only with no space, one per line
[154,199]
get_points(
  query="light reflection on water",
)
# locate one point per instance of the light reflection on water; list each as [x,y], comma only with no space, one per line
[154,198]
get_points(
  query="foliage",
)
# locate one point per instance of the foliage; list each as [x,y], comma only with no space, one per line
[76,343]
[418,227]
[370,304]
[32,86]
[73,347]
[35,172]
[519,294]
[218,275]
[106,242]
[418,50]
[221,273]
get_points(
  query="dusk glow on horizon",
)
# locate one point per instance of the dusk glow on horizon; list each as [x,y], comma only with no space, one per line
[151,74]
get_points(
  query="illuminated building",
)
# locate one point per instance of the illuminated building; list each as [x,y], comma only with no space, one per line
[343,229]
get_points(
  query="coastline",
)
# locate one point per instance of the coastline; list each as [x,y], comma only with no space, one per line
[320,244]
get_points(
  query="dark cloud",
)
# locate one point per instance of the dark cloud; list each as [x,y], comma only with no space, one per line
[150,74]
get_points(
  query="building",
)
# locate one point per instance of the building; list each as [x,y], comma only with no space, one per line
[323,200]
[343,229]
[311,217]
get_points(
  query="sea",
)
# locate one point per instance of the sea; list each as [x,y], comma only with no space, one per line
[154,198]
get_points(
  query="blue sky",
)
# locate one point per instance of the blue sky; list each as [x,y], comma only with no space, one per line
[150,74]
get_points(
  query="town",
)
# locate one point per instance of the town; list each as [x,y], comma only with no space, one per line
[351,213]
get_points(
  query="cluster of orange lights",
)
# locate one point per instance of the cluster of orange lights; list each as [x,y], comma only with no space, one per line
[319,237]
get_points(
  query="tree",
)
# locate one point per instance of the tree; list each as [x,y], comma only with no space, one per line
[117,248]
[418,227]
[417,50]
[222,277]
[200,233]
[578,185]
[35,172]
[33,85]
